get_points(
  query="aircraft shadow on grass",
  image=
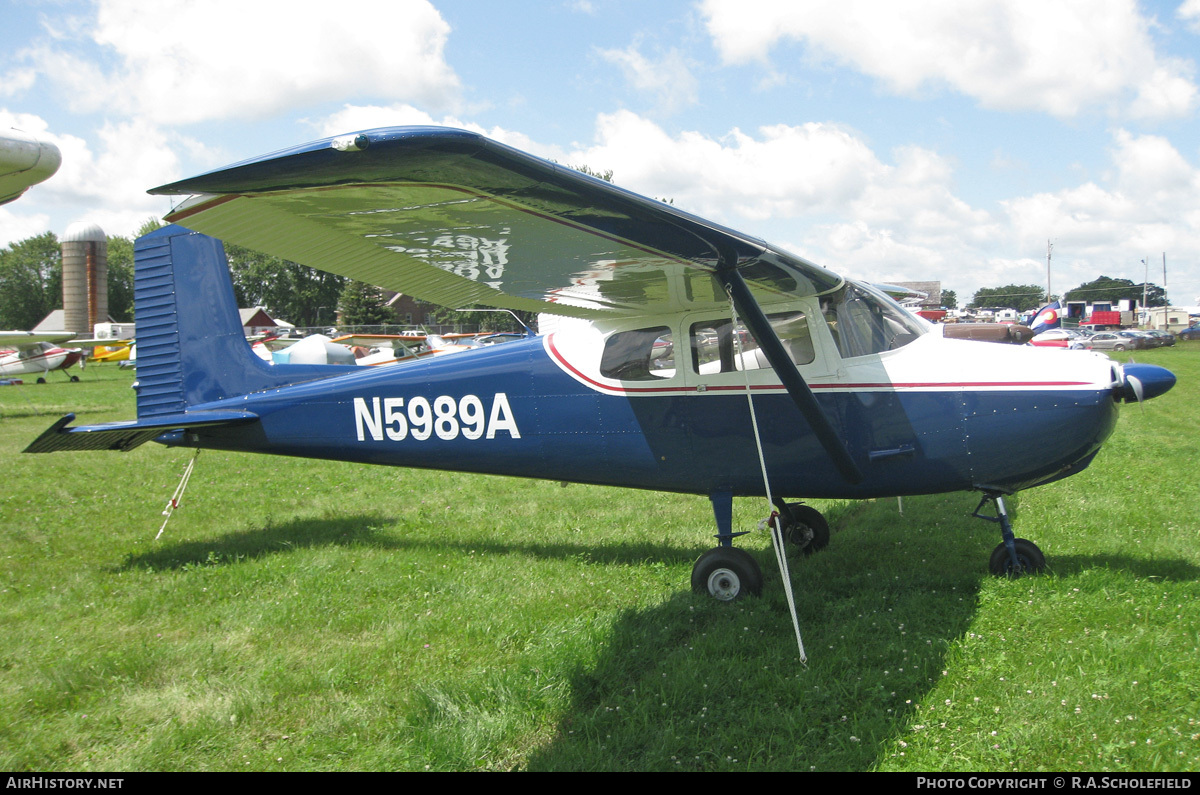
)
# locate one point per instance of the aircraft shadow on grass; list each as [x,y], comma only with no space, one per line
[377,531]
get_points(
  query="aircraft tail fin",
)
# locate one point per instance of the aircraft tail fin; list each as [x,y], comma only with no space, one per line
[191,347]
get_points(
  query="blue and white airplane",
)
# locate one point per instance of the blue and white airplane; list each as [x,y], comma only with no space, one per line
[668,346]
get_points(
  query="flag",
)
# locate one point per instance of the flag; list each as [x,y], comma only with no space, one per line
[1046,318]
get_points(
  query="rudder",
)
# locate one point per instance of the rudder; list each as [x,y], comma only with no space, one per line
[191,347]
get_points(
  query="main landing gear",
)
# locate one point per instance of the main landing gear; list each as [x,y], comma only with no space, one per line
[728,573]
[1014,556]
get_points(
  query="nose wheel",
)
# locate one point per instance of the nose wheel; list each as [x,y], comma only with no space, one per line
[1013,557]
[1030,559]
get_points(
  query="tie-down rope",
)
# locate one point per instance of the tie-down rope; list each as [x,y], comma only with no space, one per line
[777,540]
[173,503]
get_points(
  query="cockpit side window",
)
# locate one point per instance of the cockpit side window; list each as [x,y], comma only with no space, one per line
[642,355]
[720,347]
[864,321]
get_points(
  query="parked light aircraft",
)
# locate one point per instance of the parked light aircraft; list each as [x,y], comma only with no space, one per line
[28,352]
[368,350]
[669,344]
[25,160]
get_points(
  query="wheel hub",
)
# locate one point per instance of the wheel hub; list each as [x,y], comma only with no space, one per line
[724,584]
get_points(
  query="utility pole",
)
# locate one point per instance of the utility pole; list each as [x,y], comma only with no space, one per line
[1049,248]
[1166,303]
[1145,313]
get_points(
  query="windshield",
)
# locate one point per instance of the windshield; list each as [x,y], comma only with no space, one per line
[864,320]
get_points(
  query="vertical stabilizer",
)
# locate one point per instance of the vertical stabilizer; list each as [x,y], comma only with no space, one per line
[191,347]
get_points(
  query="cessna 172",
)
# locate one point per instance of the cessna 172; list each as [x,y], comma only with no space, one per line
[27,352]
[675,354]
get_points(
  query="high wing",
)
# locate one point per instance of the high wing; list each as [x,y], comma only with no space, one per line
[16,340]
[453,218]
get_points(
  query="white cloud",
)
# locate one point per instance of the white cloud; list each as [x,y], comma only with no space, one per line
[784,171]
[17,225]
[1189,12]
[817,189]
[668,79]
[176,61]
[16,82]
[1056,56]
[1150,204]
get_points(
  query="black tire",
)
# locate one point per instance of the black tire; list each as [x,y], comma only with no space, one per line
[1118,347]
[41,380]
[806,528]
[1028,555]
[727,574]
[74,379]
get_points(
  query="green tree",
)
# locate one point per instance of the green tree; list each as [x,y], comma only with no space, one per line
[362,304]
[606,175]
[30,281]
[484,319]
[290,291]
[1114,290]
[120,279]
[949,299]
[120,271]
[1021,297]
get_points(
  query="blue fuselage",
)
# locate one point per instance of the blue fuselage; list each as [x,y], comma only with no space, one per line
[511,410]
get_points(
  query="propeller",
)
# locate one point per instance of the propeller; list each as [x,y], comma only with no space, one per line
[1140,382]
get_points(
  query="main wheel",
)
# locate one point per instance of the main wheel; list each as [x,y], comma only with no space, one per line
[74,379]
[807,528]
[1030,558]
[727,573]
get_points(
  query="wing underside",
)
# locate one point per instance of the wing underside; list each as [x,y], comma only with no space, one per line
[453,218]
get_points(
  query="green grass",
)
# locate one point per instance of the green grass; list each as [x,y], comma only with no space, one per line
[305,615]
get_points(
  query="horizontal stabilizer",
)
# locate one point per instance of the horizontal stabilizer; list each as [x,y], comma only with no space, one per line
[125,436]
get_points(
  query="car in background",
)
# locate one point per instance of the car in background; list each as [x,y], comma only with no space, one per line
[1135,340]
[1165,338]
[1109,341]
[1192,333]
[1148,340]
[1058,338]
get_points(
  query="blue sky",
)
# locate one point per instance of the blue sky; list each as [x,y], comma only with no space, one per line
[888,141]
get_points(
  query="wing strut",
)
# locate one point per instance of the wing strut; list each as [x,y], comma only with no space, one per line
[785,368]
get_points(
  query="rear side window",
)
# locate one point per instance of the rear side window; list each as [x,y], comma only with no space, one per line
[642,355]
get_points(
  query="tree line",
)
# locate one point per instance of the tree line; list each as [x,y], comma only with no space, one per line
[1026,297]
[31,285]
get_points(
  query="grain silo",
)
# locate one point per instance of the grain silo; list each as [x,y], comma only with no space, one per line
[85,277]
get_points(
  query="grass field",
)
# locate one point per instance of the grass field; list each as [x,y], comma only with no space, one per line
[303,615]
